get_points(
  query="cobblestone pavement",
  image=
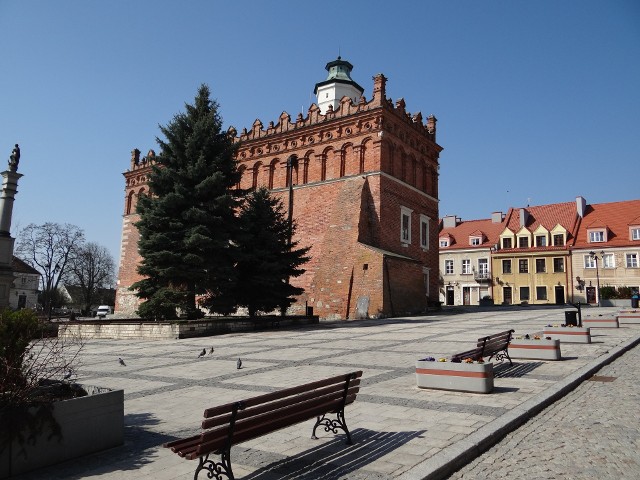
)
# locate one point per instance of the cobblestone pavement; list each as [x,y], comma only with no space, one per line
[399,431]
[592,433]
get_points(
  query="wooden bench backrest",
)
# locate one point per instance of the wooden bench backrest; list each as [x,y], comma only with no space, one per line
[495,343]
[269,412]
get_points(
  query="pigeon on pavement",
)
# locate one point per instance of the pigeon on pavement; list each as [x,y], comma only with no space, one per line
[239,364]
[202,353]
[67,375]
[211,351]
[122,362]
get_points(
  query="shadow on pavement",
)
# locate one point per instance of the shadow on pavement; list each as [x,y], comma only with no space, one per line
[335,459]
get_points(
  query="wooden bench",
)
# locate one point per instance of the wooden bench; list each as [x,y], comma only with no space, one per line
[494,345]
[237,422]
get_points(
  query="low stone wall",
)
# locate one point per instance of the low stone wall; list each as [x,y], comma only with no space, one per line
[137,329]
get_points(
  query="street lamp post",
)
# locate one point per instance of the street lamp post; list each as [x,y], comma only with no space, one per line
[596,258]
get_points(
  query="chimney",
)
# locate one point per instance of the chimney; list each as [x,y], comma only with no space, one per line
[450,221]
[496,217]
[581,205]
[524,217]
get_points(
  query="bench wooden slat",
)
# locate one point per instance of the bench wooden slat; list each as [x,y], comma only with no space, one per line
[287,392]
[283,410]
[222,419]
[258,427]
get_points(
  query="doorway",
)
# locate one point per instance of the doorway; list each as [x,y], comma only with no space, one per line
[591,295]
[559,295]
[466,295]
[450,296]
[508,295]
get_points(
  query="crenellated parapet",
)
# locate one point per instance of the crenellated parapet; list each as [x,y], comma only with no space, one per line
[346,109]
[139,163]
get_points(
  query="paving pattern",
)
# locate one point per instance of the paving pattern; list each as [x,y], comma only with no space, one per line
[399,430]
[592,433]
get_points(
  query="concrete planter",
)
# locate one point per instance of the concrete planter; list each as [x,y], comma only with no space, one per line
[542,349]
[463,377]
[568,334]
[87,425]
[630,317]
[600,322]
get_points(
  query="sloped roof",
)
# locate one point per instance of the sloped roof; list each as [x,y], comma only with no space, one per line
[472,228]
[20,266]
[548,216]
[617,217]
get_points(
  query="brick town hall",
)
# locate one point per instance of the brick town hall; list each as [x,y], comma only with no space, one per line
[364,194]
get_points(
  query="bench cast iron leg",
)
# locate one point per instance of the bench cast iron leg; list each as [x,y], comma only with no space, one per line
[216,470]
[332,426]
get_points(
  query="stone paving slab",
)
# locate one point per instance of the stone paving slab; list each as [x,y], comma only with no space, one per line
[399,430]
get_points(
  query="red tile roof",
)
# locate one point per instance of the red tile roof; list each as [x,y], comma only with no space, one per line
[564,214]
[472,228]
[617,217]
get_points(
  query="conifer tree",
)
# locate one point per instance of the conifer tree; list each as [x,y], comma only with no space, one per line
[266,261]
[187,222]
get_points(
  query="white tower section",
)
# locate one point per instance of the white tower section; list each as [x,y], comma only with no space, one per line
[337,85]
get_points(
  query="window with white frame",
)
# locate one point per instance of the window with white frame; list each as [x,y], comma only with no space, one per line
[632,260]
[524,294]
[608,260]
[444,242]
[558,265]
[541,265]
[424,232]
[405,224]
[596,236]
[635,233]
[523,242]
[541,293]
[558,240]
[483,268]
[475,241]
[523,265]
[589,262]
[448,267]
[466,266]
[506,266]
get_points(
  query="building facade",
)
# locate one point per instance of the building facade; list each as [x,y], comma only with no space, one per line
[25,288]
[465,258]
[606,252]
[362,179]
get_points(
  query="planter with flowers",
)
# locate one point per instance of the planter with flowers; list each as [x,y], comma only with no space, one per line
[600,322]
[568,334]
[466,376]
[535,347]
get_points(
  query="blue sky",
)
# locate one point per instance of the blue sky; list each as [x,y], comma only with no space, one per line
[537,102]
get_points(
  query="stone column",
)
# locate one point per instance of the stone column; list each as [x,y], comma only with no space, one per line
[9,189]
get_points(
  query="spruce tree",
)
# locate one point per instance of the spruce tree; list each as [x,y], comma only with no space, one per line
[187,222]
[266,261]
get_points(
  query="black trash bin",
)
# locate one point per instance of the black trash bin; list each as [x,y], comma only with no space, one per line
[634,301]
[571,318]
[309,311]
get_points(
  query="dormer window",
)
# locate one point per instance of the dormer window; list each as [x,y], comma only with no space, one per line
[506,243]
[475,241]
[541,240]
[597,236]
[523,242]
[558,240]
[635,232]
[444,242]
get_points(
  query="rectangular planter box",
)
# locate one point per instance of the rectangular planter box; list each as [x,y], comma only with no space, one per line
[568,334]
[87,425]
[542,349]
[627,318]
[462,377]
[600,322]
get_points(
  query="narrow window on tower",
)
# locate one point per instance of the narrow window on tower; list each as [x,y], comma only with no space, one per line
[405,225]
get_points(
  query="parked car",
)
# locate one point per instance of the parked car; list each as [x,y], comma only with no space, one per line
[103,311]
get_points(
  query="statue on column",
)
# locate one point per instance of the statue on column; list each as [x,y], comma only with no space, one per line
[14,159]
